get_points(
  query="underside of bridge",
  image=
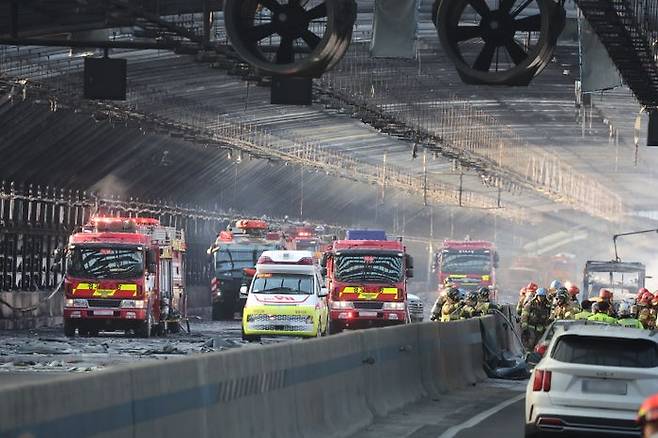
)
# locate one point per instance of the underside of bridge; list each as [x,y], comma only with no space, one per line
[400,143]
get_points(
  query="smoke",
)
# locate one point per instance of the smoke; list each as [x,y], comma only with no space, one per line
[110,185]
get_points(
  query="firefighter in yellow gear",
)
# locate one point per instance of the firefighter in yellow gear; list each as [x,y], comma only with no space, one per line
[627,317]
[468,309]
[562,309]
[585,311]
[646,313]
[451,307]
[600,313]
[535,318]
[484,305]
[573,292]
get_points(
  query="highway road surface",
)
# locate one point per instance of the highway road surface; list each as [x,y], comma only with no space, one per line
[492,409]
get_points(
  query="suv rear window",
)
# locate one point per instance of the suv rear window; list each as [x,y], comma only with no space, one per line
[606,351]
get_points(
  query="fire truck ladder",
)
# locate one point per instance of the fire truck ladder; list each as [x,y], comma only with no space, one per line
[629,31]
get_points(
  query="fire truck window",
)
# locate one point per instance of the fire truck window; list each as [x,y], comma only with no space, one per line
[466,262]
[368,268]
[292,284]
[105,262]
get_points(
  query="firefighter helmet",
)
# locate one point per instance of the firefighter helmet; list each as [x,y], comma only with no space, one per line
[454,294]
[484,293]
[532,287]
[562,296]
[605,294]
[573,290]
[641,292]
[646,299]
[648,412]
[555,284]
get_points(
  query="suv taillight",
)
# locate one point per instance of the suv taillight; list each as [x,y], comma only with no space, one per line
[542,380]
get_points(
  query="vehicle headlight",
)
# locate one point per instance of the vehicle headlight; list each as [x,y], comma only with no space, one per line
[76,302]
[393,306]
[340,305]
[133,304]
[309,320]
[251,318]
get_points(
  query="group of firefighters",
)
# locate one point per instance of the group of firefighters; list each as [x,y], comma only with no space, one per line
[457,304]
[538,307]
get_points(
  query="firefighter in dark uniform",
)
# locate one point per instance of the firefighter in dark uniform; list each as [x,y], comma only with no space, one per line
[484,305]
[535,318]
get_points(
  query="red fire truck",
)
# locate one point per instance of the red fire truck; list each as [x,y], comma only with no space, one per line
[233,256]
[125,274]
[470,264]
[367,280]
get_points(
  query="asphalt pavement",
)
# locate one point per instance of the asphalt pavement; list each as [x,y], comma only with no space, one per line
[508,422]
[450,415]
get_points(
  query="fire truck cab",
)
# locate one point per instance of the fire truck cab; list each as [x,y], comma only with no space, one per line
[233,258]
[470,264]
[125,274]
[367,281]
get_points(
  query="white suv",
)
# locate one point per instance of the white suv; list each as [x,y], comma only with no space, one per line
[592,380]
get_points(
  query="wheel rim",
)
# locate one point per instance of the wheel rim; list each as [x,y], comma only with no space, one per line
[494,40]
[284,36]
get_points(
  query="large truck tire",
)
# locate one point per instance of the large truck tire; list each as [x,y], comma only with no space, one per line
[334,328]
[69,328]
[145,327]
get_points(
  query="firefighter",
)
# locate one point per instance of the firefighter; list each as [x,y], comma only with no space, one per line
[529,292]
[573,292]
[535,318]
[484,304]
[585,311]
[600,312]
[562,309]
[468,309]
[605,295]
[640,293]
[646,314]
[552,290]
[626,316]
[450,309]
[647,417]
[438,304]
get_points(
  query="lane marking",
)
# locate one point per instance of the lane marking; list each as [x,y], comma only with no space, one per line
[454,430]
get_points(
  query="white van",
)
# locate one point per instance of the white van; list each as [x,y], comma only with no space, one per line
[286,298]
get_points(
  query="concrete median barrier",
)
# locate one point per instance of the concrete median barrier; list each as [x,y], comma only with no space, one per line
[329,387]
[392,372]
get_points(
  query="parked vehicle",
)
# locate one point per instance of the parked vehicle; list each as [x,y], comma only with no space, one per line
[416,308]
[367,279]
[470,264]
[623,279]
[286,297]
[592,380]
[233,257]
[124,274]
